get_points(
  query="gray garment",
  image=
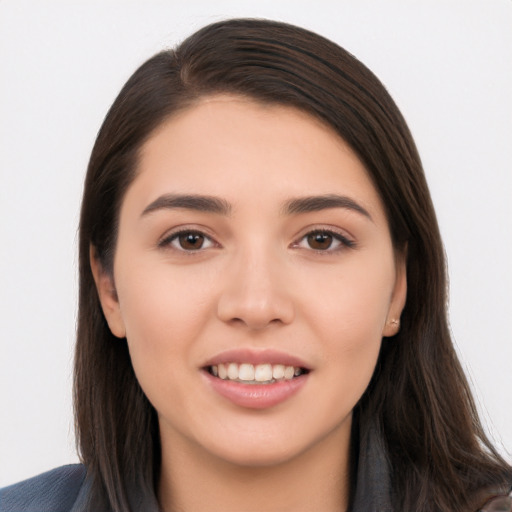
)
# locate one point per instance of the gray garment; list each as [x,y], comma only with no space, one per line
[373,484]
[67,489]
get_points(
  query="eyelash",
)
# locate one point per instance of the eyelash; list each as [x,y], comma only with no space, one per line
[337,237]
[174,237]
[341,241]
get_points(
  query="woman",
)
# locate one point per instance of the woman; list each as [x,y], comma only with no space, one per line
[262,316]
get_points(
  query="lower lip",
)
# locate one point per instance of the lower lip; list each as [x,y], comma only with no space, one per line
[256,396]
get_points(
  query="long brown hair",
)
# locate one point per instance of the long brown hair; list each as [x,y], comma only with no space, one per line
[419,396]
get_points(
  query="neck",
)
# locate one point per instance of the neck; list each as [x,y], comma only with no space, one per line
[317,479]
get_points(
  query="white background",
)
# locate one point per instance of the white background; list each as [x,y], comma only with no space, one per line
[448,65]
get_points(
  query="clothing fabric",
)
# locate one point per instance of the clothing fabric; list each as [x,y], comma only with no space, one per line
[54,491]
[68,488]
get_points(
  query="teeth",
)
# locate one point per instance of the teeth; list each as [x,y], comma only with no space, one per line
[223,373]
[232,371]
[263,372]
[278,371]
[246,372]
[249,373]
[289,371]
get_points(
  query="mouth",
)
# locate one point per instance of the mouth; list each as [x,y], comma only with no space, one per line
[247,373]
[256,379]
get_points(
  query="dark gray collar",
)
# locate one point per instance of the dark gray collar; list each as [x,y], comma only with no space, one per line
[140,500]
[373,478]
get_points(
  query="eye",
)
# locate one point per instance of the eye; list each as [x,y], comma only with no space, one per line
[324,240]
[187,240]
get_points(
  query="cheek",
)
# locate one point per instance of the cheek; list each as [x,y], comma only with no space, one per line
[349,314]
[352,342]
[163,315]
[354,302]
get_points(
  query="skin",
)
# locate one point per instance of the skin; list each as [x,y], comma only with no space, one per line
[257,283]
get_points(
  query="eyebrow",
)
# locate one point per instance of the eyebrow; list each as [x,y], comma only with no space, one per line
[211,204]
[199,203]
[324,202]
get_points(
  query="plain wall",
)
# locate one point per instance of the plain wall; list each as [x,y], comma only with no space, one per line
[448,64]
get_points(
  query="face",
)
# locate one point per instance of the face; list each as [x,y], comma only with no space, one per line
[254,279]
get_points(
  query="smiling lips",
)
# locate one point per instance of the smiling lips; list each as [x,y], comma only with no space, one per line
[256,380]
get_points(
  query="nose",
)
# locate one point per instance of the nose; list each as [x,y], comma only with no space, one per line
[255,293]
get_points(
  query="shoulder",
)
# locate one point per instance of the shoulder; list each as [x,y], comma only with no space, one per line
[53,491]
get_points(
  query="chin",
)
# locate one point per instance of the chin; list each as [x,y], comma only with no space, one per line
[265,449]
[257,458]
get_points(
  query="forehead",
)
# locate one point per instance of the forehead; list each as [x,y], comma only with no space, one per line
[237,148]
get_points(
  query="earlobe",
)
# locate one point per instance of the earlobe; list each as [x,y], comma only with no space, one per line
[108,295]
[399,297]
[391,328]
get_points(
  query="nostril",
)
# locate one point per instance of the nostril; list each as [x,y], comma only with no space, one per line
[255,305]
[254,322]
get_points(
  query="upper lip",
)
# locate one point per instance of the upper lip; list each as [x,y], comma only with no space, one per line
[255,357]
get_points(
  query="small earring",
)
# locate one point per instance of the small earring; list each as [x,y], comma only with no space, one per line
[395,322]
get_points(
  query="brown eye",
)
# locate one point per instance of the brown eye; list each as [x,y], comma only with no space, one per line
[320,240]
[187,241]
[324,240]
[191,241]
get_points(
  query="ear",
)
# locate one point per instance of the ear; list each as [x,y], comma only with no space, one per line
[398,298]
[107,294]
